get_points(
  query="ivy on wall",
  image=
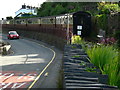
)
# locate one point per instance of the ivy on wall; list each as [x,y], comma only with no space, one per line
[106,10]
[102,21]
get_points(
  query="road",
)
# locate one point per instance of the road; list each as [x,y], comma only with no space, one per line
[27,63]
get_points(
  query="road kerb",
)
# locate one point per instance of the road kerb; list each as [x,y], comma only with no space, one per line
[44,67]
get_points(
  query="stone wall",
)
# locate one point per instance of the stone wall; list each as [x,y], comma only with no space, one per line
[113,23]
[44,37]
[79,73]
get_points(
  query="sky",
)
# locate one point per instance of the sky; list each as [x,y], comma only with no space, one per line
[9,7]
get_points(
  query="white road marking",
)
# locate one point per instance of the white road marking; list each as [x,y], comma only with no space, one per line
[18,85]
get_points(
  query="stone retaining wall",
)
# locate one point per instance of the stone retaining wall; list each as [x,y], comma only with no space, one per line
[80,73]
[44,37]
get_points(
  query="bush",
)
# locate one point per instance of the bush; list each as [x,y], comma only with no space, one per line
[76,39]
[117,37]
[106,58]
[102,21]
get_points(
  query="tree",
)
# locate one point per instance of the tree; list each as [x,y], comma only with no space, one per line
[45,9]
[56,8]
[108,8]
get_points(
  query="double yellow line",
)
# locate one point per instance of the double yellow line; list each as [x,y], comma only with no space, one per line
[44,68]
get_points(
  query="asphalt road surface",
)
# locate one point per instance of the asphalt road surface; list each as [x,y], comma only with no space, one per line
[30,65]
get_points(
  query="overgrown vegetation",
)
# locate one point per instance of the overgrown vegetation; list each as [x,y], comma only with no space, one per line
[117,36]
[100,12]
[57,8]
[102,21]
[104,57]
[88,69]
[106,9]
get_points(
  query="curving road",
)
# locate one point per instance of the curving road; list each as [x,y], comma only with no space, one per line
[28,60]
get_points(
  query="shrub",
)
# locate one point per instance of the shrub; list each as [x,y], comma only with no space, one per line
[102,21]
[109,40]
[100,55]
[111,70]
[76,39]
[106,58]
[117,36]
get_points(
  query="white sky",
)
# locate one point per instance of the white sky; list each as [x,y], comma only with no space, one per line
[9,7]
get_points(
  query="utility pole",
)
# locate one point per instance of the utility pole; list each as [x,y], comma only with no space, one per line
[68,36]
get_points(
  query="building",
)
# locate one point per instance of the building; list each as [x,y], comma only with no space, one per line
[26,11]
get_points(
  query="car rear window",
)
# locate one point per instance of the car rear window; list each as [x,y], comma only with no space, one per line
[13,33]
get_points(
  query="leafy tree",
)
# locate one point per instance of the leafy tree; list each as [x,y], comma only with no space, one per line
[108,8]
[102,21]
[56,8]
[45,9]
